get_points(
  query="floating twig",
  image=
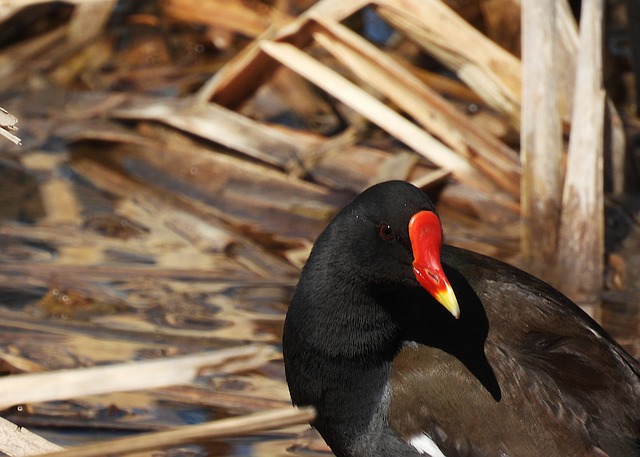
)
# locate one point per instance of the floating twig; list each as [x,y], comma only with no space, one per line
[224,428]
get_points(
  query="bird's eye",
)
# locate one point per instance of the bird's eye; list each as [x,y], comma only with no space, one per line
[385,232]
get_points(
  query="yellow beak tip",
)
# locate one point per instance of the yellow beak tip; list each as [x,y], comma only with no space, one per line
[448,299]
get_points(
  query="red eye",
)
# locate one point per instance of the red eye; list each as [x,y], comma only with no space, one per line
[386,233]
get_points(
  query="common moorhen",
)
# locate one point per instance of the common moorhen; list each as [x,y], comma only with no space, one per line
[406,347]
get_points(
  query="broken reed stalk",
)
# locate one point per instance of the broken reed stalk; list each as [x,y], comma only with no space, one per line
[246,72]
[224,428]
[147,374]
[541,139]
[428,108]
[9,136]
[368,106]
[489,70]
[218,124]
[8,122]
[581,242]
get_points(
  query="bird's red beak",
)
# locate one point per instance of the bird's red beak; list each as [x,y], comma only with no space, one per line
[425,233]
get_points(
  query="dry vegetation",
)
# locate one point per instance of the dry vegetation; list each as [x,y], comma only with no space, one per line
[179,157]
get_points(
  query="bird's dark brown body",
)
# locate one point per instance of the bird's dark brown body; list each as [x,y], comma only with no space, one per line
[523,372]
[560,385]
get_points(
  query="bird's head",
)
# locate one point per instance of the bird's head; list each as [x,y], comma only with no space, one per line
[391,234]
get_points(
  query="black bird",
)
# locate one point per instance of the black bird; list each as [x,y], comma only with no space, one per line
[406,347]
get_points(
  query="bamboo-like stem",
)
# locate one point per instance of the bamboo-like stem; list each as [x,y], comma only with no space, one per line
[581,245]
[541,139]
